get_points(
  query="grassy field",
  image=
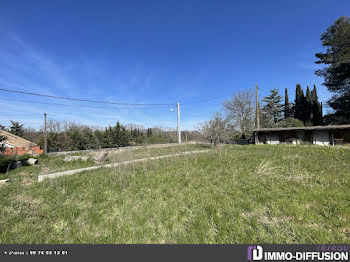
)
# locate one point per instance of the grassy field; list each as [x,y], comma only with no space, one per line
[56,164]
[232,194]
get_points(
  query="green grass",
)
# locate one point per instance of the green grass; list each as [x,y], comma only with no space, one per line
[233,194]
[120,156]
[53,164]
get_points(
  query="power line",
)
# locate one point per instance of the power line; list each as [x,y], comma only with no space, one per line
[58,104]
[78,99]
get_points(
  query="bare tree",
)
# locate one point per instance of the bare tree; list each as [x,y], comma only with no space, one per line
[134,126]
[240,111]
[214,130]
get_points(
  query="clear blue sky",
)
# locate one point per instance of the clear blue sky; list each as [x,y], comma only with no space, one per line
[155,52]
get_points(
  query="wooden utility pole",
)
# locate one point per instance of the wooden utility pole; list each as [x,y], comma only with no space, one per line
[45,142]
[257,107]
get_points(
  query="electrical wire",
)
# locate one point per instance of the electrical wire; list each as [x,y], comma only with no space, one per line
[58,104]
[79,99]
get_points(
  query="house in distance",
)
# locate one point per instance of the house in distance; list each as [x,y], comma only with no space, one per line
[15,145]
[318,135]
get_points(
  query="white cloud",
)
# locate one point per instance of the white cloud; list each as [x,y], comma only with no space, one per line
[27,68]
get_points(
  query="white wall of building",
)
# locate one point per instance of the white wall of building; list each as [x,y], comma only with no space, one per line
[321,138]
[272,139]
[7,145]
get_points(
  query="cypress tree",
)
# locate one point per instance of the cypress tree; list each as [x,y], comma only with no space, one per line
[308,107]
[314,94]
[287,108]
[308,94]
[299,103]
[316,108]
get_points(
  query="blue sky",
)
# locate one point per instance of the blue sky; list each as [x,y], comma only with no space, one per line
[194,52]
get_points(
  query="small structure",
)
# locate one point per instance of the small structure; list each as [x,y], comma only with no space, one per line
[318,135]
[15,145]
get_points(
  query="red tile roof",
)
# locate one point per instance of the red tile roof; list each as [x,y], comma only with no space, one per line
[16,141]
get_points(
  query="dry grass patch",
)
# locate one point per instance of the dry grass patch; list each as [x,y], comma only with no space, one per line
[267,168]
[262,215]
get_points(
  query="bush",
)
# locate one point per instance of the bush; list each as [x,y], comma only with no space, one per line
[291,122]
[6,160]
[157,140]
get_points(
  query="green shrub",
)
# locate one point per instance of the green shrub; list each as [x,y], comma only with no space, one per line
[6,160]
[291,122]
[157,140]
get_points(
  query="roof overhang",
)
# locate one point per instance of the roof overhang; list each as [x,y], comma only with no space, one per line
[303,128]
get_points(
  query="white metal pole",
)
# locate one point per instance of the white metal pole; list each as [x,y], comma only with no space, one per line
[45,130]
[257,108]
[178,123]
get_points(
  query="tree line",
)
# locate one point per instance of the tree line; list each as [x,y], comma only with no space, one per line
[306,109]
[67,136]
[336,74]
[238,117]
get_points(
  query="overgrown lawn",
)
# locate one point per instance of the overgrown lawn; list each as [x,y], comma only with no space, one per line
[233,194]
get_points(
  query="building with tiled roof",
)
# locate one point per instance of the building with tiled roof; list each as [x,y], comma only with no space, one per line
[15,145]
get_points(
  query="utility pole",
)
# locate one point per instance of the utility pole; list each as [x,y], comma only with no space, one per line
[257,123]
[178,123]
[45,142]
[257,107]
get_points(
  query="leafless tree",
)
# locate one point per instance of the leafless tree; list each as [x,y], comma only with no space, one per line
[134,126]
[240,111]
[214,130]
